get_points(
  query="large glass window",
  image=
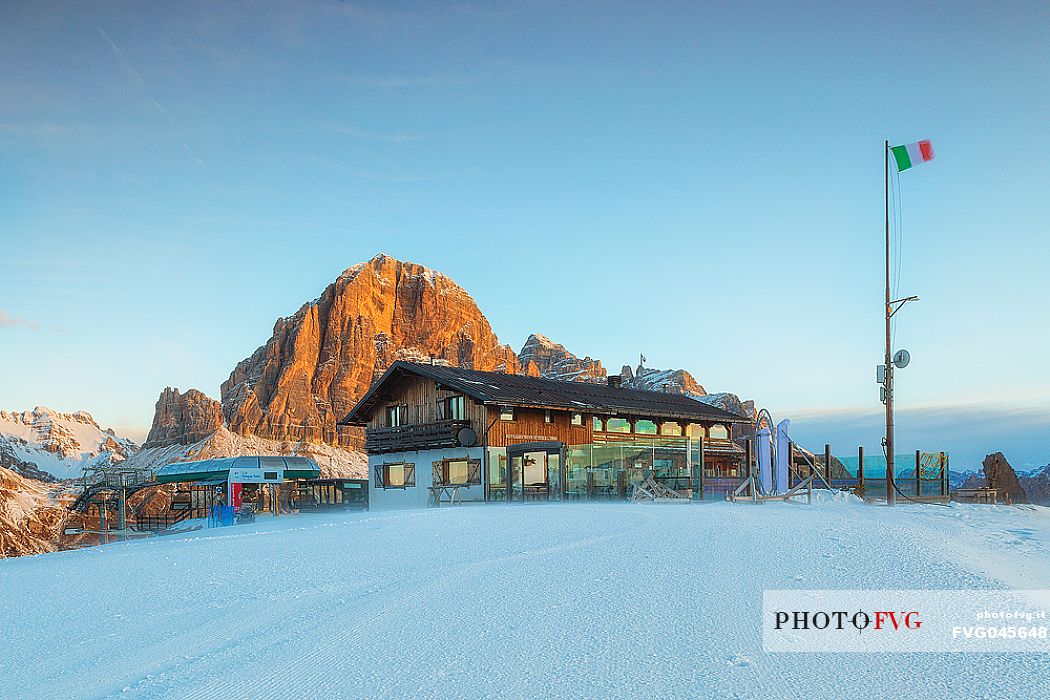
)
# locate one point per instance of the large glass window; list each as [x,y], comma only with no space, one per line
[577,419]
[670,429]
[695,430]
[535,464]
[718,432]
[645,427]
[617,425]
[578,461]
[497,473]
[598,423]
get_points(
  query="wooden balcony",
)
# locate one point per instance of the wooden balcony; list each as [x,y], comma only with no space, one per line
[417,436]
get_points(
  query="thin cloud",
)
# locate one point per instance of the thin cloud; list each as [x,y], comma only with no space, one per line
[369,175]
[130,70]
[14,322]
[43,129]
[367,135]
[399,81]
[375,15]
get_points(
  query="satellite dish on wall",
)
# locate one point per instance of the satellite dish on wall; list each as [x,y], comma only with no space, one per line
[466,437]
[901,359]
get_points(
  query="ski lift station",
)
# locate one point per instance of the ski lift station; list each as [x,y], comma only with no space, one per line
[257,484]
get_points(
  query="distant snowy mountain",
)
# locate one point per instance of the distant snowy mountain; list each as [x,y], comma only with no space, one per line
[730,402]
[957,479]
[47,445]
[542,357]
[1036,483]
[669,381]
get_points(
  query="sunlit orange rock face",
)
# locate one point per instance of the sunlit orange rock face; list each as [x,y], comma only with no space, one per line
[321,360]
[182,419]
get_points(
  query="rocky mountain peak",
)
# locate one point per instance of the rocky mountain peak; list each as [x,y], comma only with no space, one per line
[183,418]
[541,357]
[323,358]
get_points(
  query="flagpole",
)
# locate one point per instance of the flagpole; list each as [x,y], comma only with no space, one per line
[890,476]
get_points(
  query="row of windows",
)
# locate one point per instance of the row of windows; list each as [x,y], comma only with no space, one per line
[450,408]
[402,475]
[648,427]
[453,408]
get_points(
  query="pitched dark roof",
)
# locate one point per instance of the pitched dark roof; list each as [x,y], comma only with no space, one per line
[496,388]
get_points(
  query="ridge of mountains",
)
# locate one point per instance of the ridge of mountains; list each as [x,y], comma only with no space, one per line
[47,445]
[287,395]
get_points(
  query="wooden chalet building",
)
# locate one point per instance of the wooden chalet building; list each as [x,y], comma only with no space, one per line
[434,432]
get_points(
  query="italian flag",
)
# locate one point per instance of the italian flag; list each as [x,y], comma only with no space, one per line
[912,154]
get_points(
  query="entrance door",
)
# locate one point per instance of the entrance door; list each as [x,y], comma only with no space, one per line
[535,471]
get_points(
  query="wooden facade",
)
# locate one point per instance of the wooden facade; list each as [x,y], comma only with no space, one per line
[531,425]
[421,397]
[424,425]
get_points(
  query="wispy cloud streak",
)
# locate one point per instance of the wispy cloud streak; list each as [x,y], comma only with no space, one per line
[130,70]
[14,322]
[369,175]
[367,135]
[399,81]
[42,129]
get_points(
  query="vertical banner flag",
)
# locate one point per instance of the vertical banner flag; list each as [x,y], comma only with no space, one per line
[765,458]
[912,154]
[783,455]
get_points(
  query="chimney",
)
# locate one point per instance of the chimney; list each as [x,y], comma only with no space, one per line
[614,380]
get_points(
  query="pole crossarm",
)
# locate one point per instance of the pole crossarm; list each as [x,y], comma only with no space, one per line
[892,310]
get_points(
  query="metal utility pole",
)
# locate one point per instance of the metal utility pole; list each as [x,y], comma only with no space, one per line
[122,513]
[890,495]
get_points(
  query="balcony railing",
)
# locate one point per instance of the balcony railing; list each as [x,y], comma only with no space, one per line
[415,436]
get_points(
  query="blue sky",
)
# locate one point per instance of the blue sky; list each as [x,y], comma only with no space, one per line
[699,183]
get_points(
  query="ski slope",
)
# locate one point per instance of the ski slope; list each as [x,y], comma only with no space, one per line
[560,601]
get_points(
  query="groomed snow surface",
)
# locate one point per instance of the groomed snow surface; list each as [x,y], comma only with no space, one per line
[566,601]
